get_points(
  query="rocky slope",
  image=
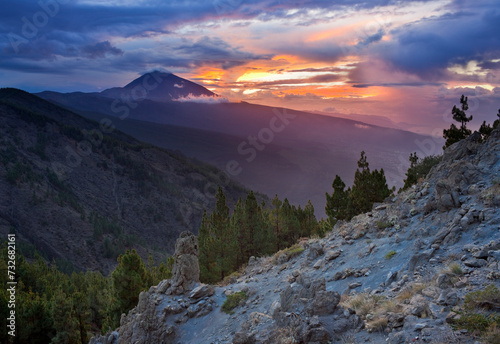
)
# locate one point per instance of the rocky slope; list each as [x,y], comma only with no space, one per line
[392,275]
[80,192]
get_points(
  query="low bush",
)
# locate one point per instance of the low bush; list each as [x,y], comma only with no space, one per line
[234,301]
[390,254]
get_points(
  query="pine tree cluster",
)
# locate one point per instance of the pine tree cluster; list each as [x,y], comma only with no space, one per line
[368,187]
[227,241]
[54,307]
[455,134]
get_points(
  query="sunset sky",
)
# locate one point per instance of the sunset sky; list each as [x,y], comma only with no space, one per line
[396,63]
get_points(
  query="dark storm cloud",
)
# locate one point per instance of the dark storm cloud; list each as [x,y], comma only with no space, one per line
[428,47]
[100,50]
[209,50]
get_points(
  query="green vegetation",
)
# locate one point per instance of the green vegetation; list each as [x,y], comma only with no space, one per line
[39,147]
[234,301]
[480,315]
[368,187]
[288,253]
[65,193]
[227,241]
[419,168]
[54,307]
[489,298]
[383,224]
[455,269]
[390,254]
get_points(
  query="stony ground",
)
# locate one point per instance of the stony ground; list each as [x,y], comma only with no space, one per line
[392,275]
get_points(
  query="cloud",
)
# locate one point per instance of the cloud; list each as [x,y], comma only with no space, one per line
[429,46]
[100,50]
[399,84]
[361,126]
[201,99]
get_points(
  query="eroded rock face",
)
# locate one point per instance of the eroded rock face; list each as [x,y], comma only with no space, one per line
[186,269]
[156,317]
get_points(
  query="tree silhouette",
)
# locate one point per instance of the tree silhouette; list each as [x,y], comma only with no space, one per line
[455,134]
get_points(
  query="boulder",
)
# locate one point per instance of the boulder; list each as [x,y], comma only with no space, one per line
[309,297]
[332,254]
[444,281]
[475,263]
[201,291]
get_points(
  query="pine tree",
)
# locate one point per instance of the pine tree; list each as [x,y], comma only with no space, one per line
[368,187]
[258,234]
[276,222]
[206,258]
[225,241]
[360,192]
[308,222]
[411,174]
[65,322]
[485,130]
[337,204]
[82,313]
[291,225]
[239,227]
[455,134]
[129,279]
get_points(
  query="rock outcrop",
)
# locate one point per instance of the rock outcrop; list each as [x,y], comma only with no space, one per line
[186,270]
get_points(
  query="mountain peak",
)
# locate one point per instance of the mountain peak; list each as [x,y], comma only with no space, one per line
[159,86]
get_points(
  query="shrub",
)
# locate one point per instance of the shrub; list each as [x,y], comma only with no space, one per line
[489,298]
[383,224]
[234,301]
[475,323]
[455,269]
[378,324]
[390,254]
[476,319]
[288,253]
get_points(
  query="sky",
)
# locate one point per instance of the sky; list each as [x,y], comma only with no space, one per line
[401,64]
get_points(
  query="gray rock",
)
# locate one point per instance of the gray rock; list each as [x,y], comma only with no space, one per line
[315,250]
[354,285]
[495,255]
[481,254]
[391,277]
[186,270]
[444,281]
[243,337]
[201,291]
[332,254]
[475,263]
[310,297]
[448,298]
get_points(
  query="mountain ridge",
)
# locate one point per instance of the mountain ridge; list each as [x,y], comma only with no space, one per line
[60,172]
[309,148]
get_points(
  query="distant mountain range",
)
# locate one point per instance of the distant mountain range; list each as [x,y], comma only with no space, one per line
[80,192]
[272,150]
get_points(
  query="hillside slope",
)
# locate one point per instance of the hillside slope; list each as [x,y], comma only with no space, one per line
[81,193]
[392,275]
[291,153]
